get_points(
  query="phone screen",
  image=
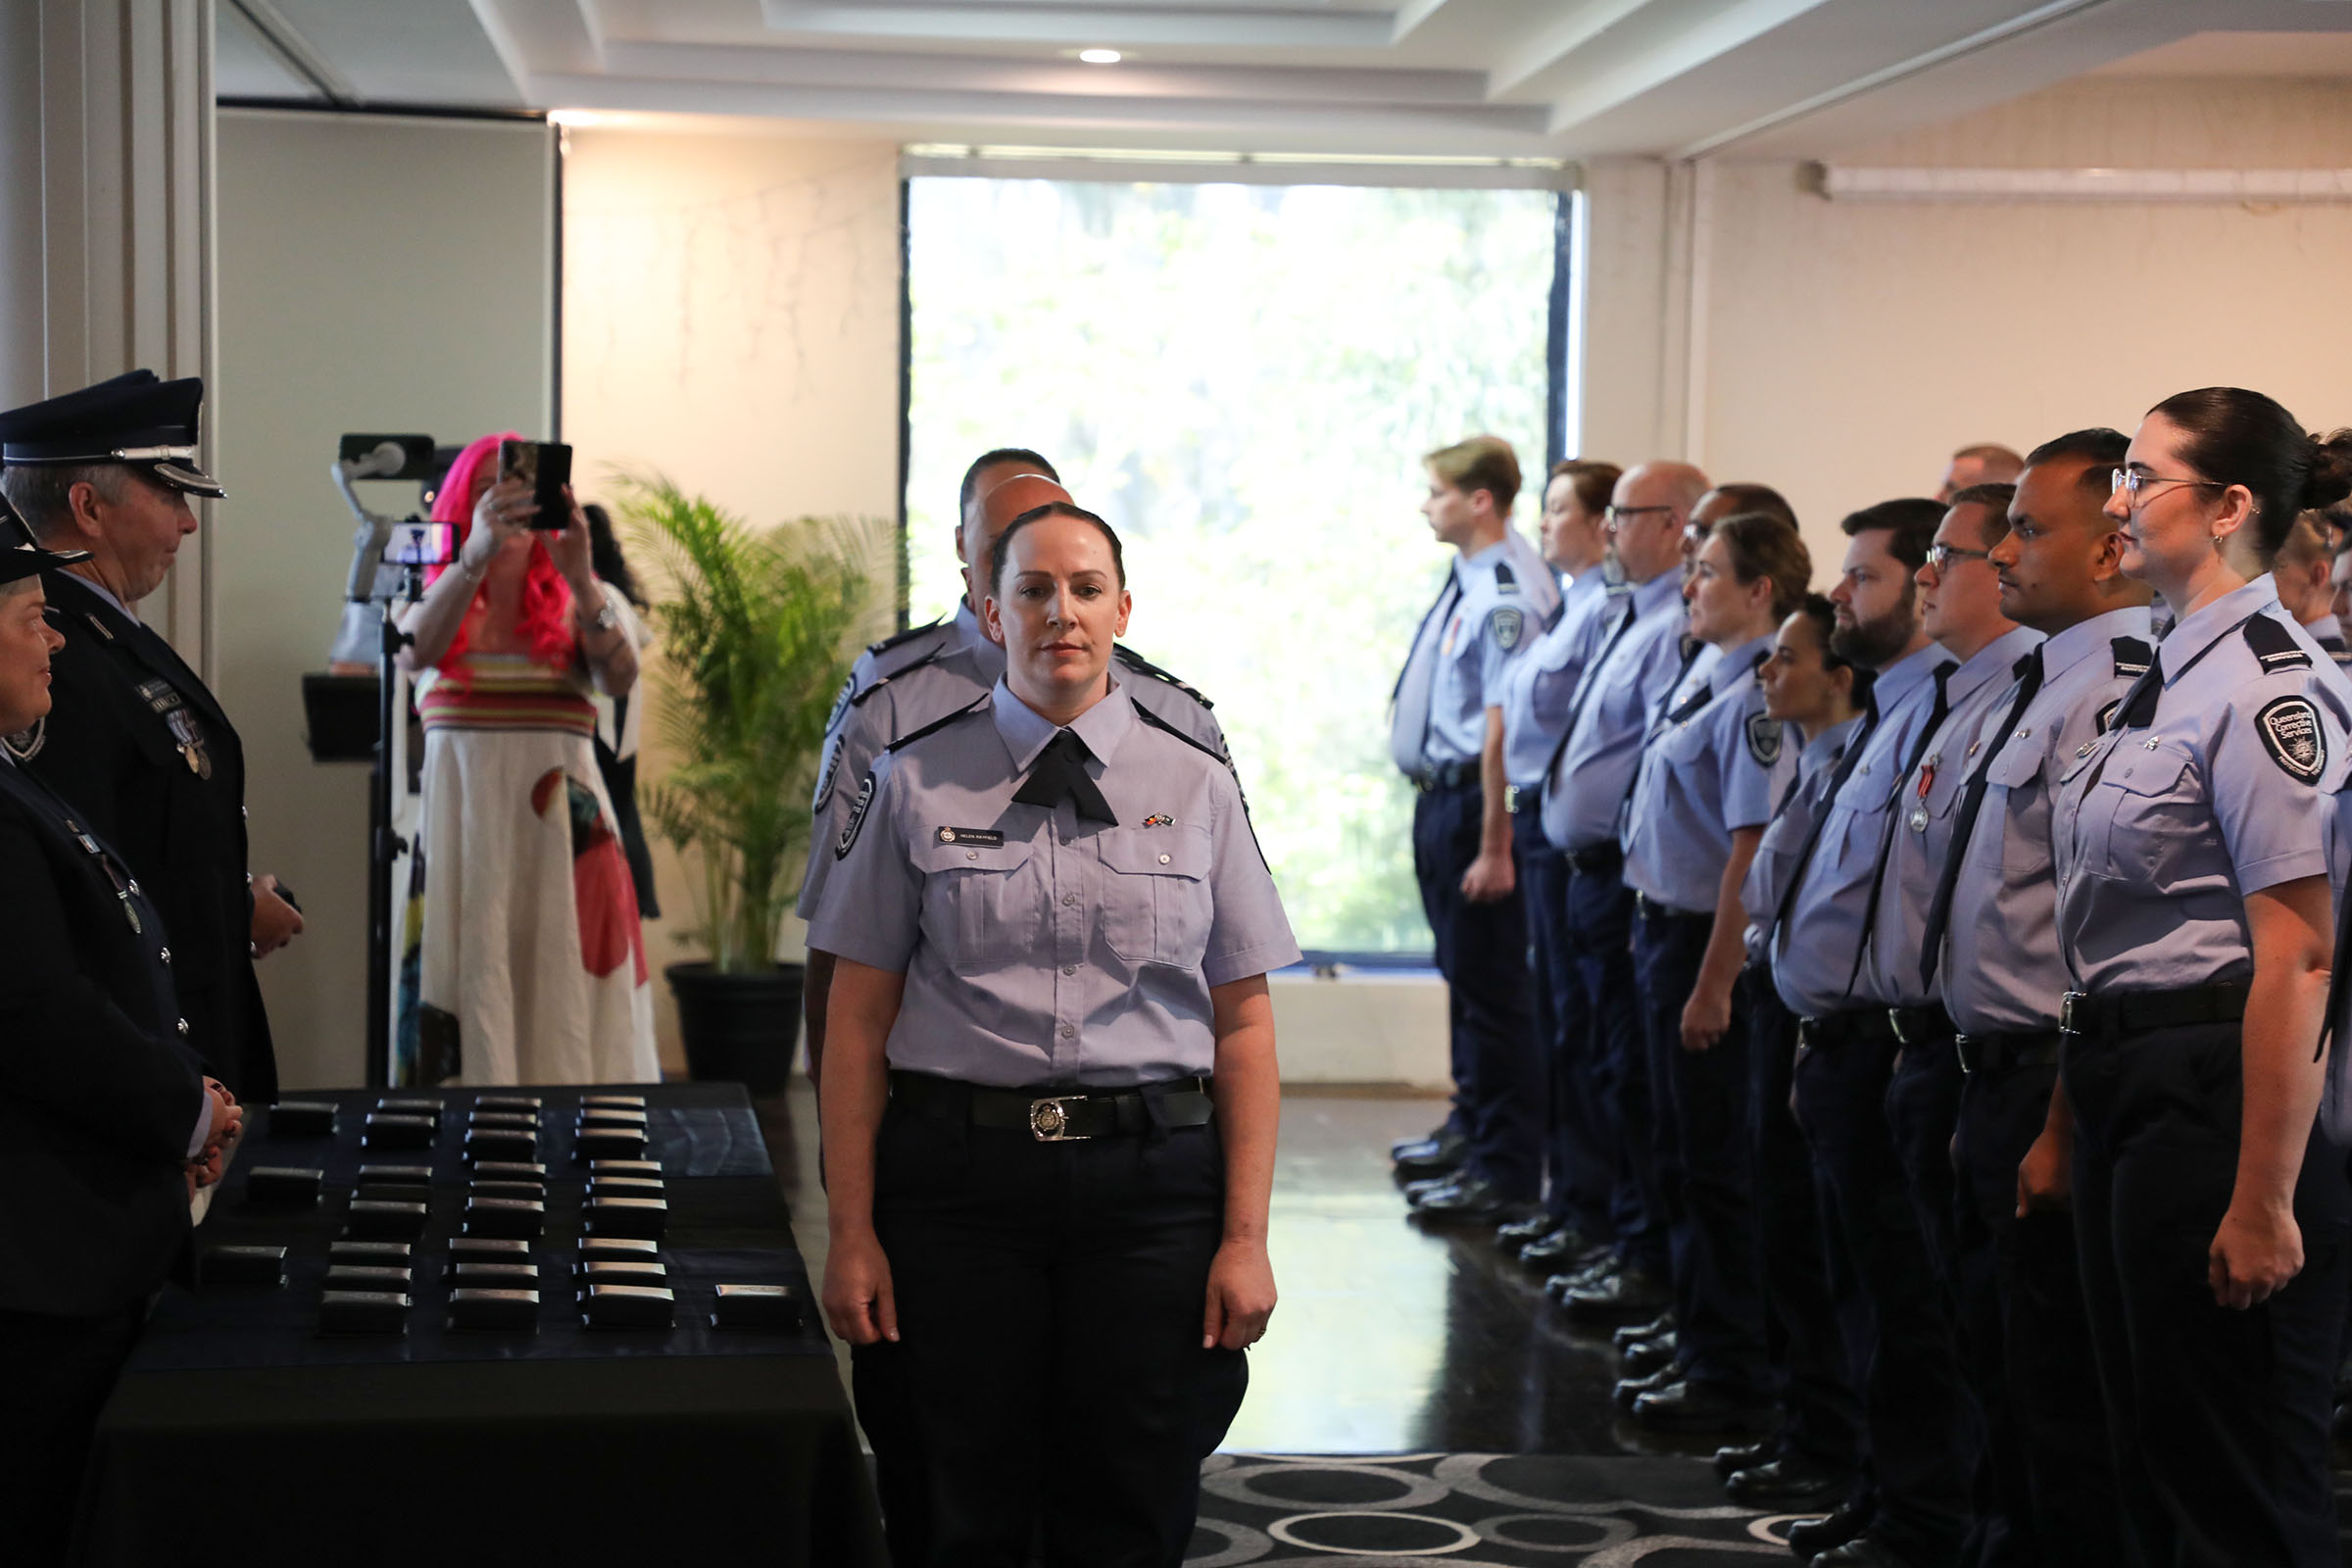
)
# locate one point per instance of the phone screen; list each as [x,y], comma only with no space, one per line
[546,466]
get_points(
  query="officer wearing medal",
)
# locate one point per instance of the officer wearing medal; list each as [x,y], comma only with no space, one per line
[137,741]
[1447,736]
[2192,844]
[1916,1412]
[944,678]
[106,1115]
[1585,785]
[1709,775]
[1990,947]
[1051,1092]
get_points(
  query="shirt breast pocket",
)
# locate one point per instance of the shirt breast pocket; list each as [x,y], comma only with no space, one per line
[2146,809]
[983,906]
[1995,841]
[1155,898]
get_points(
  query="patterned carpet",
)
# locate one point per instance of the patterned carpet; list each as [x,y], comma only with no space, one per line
[1473,1510]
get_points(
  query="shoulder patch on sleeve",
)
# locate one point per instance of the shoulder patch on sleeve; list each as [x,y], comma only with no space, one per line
[1507,622]
[2290,727]
[824,780]
[841,702]
[857,811]
[2274,646]
[1763,738]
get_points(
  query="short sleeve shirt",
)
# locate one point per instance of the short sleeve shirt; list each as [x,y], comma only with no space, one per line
[1799,802]
[1586,788]
[1706,772]
[1507,594]
[1540,688]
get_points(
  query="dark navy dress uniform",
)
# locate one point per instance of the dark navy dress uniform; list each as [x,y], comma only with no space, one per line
[1586,789]
[1714,766]
[102,1101]
[1490,611]
[2215,781]
[1992,949]
[1539,694]
[1050,1180]
[1915,1409]
[1806,1305]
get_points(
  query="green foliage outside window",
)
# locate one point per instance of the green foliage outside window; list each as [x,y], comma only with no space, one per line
[1242,379]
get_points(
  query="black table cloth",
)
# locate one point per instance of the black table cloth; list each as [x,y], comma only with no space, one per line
[239,1428]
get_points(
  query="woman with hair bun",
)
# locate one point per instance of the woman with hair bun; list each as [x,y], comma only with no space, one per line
[530,965]
[2193,842]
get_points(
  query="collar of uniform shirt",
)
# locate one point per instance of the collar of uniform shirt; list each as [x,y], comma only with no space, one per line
[1736,662]
[1899,680]
[2197,631]
[132,615]
[2068,648]
[1026,732]
[969,632]
[1822,748]
[1990,664]
[1648,597]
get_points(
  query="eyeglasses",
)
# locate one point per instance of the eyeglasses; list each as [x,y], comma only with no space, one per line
[1942,557]
[1617,515]
[2131,482]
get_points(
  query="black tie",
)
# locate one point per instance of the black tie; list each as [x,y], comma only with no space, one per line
[1972,801]
[1584,688]
[1878,876]
[1060,774]
[1820,815]
[2138,710]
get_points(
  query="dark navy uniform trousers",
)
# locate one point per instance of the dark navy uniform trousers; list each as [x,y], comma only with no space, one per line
[1048,1387]
[1579,1172]
[2219,1417]
[1600,933]
[1482,951]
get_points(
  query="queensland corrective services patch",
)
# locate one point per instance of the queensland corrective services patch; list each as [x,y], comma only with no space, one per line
[2290,727]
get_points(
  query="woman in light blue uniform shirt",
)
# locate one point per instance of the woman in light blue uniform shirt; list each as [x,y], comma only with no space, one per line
[1050,1097]
[2194,910]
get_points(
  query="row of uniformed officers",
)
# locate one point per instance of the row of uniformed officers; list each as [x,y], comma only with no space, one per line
[1925,990]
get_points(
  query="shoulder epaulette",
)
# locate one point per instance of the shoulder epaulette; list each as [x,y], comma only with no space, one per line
[2131,656]
[1158,722]
[913,735]
[2274,646]
[1506,578]
[888,643]
[1144,667]
[858,699]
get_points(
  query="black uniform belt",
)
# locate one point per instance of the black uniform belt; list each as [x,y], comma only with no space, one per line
[1919,1026]
[1597,859]
[2017,1048]
[1056,1116]
[2134,1012]
[1445,776]
[1650,908]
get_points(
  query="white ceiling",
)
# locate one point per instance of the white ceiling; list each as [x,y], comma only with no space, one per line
[1489,78]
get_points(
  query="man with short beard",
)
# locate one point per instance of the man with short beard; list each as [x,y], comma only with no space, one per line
[2060,572]
[1914,1409]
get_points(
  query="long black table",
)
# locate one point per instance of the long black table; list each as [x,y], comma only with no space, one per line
[238,1429]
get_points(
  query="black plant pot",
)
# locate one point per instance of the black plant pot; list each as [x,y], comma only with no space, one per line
[739,1028]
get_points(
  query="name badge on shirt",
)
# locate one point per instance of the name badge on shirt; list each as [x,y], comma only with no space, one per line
[986,838]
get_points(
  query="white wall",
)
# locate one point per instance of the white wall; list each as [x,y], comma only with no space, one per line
[374,274]
[1841,350]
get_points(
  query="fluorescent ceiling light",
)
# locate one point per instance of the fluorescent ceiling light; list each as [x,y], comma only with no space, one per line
[1100,56]
[2253,185]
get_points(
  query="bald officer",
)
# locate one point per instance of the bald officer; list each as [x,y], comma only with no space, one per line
[945,676]
[137,741]
[103,1106]
[1992,949]
[1446,736]
[1584,792]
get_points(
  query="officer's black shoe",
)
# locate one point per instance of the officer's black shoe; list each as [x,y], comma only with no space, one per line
[1556,1250]
[1601,1268]
[1467,1199]
[1688,1407]
[1414,1192]
[1440,1134]
[1628,1293]
[1629,1390]
[1628,1332]
[1791,1481]
[1867,1551]
[1645,1357]
[1734,1457]
[1432,1156]
[1810,1538]
[1519,1232]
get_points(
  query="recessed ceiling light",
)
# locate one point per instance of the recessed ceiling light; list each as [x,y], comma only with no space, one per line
[1100,56]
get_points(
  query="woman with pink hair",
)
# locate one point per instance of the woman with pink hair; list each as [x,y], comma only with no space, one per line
[528,962]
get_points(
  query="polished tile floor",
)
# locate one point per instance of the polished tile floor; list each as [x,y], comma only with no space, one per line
[1390,1337]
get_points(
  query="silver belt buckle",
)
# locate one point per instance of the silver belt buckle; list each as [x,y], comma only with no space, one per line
[1050,1120]
[2065,1011]
[1512,796]
[1962,1049]
[1895,1021]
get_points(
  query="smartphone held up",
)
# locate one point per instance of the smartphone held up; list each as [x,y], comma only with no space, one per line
[546,466]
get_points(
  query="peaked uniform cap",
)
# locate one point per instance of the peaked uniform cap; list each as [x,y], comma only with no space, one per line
[137,418]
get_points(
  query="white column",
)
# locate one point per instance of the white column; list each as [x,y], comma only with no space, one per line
[106,251]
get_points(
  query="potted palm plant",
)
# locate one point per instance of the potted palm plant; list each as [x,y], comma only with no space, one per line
[758,629]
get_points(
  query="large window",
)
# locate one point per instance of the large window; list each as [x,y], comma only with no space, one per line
[1241,379]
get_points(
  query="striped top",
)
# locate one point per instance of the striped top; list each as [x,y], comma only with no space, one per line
[508,691]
